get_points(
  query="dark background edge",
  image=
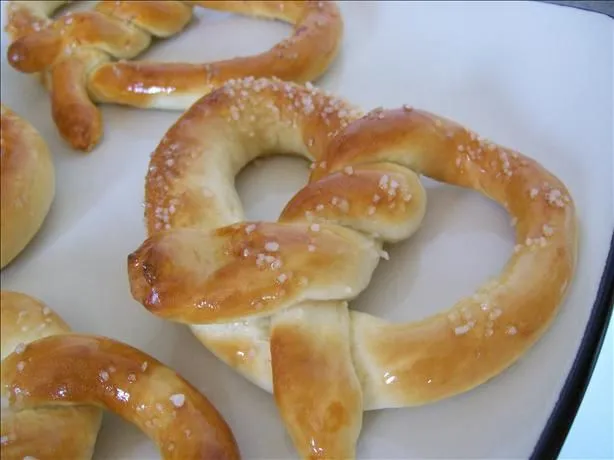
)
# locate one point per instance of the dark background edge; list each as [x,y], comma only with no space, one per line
[604,6]
[561,419]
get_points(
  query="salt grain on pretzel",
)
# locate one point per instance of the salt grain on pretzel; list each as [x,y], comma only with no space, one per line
[324,363]
[74,53]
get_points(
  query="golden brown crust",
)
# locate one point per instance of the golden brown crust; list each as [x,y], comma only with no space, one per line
[27,184]
[86,370]
[44,366]
[67,432]
[277,259]
[123,30]
[364,178]
[323,417]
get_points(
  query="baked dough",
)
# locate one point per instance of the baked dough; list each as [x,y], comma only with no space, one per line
[27,183]
[74,53]
[47,432]
[53,383]
[270,299]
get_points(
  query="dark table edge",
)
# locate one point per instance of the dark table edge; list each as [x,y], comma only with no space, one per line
[605,7]
[561,419]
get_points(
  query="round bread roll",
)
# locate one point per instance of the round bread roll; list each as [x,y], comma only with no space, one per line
[27,181]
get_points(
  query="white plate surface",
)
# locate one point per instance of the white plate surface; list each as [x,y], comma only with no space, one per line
[533,77]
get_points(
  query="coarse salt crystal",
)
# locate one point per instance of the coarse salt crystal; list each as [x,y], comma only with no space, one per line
[315,227]
[271,246]
[177,399]
[104,375]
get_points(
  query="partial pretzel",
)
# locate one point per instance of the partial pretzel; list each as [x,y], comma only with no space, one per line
[73,371]
[270,298]
[27,184]
[44,432]
[75,53]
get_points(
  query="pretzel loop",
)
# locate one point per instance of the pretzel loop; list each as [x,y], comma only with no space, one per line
[59,380]
[270,299]
[77,48]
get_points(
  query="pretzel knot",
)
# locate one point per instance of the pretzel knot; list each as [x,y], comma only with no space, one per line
[74,54]
[54,383]
[270,299]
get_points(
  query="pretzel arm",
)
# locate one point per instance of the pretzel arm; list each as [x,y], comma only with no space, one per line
[189,276]
[303,57]
[79,121]
[480,335]
[77,369]
[315,385]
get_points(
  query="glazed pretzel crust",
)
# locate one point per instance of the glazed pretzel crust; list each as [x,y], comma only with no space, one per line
[50,382]
[74,53]
[270,299]
[44,432]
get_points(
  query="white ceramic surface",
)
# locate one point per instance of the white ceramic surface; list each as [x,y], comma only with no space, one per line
[534,77]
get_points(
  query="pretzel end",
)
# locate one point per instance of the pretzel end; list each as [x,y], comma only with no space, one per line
[35,51]
[78,120]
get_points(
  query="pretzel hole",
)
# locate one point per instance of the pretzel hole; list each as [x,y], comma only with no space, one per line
[464,240]
[206,29]
[267,184]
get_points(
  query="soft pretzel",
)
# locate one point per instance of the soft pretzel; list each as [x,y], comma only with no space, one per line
[270,299]
[54,383]
[27,183]
[44,432]
[75,53]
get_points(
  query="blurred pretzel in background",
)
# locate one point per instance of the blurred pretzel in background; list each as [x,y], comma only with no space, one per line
[75,53]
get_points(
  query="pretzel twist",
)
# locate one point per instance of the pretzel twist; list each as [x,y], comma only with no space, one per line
[270,299]
[55,384]
[75,51]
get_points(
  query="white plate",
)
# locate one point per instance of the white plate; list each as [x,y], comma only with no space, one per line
[533,77]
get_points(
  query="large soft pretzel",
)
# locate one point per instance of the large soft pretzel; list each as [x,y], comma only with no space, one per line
[75,53]
[53,380]
[27,183]
[270,299]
